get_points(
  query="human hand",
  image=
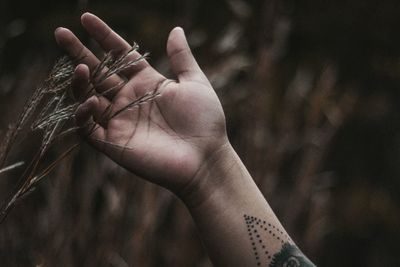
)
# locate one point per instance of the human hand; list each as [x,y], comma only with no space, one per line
[167,140]
[177,140]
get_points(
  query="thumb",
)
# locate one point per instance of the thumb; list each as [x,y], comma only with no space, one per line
[181,59]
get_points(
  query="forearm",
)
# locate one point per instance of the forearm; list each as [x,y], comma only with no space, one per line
[184,117]
[235,222]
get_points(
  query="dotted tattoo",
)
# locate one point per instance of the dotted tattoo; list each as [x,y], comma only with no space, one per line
[258,230]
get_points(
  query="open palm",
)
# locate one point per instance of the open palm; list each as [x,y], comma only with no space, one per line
[165,140]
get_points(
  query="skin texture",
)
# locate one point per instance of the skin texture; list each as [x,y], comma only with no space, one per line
[179,141]
[187,118]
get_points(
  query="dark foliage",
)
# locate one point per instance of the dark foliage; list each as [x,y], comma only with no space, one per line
[311,93]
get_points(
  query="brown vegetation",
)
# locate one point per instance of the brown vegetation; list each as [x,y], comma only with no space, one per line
[310,91]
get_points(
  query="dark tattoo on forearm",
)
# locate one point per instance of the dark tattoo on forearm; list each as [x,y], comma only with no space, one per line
[288,256]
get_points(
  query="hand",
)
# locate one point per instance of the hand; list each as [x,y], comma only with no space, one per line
[166,140]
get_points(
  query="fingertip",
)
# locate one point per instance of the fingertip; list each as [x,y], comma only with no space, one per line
[176,40]
[89,20]
[92,102]
[86,17]
[58,29]
[178,29]
[82,71]
[63,36]
[94,25]
[84,111]
[86,14]
[177,33]
[87,106]
[58,32]
[80,82]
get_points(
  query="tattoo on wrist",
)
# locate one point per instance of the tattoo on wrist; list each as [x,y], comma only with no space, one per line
[289,255]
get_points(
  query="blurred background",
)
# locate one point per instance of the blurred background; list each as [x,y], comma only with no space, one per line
[311,94]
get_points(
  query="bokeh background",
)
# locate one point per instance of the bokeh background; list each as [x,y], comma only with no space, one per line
[311,94]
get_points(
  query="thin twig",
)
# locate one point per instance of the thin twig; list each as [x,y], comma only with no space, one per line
[12,167]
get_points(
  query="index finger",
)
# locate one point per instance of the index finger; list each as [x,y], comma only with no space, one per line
[111,41]
[74,47]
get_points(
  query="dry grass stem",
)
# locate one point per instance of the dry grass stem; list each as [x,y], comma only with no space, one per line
[50,111]
[12,167]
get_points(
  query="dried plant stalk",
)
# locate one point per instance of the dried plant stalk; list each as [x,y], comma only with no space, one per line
[59,79]
[12,167]
[49,110]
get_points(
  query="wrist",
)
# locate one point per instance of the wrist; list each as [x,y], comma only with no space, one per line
[213,176]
